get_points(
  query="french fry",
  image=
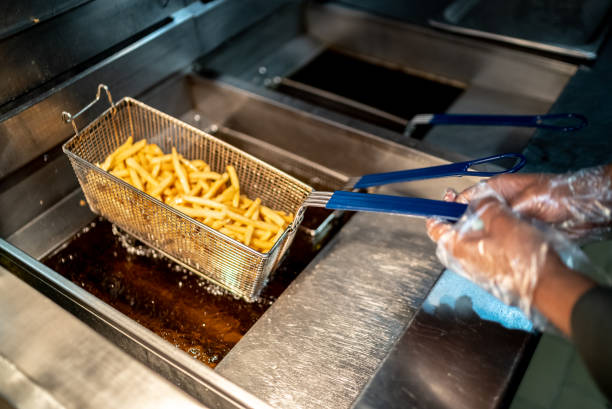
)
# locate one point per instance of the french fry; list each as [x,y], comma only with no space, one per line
[205,175]
[226,195]
[248,235]
[162,159]
[196,190]
[191,187]
[129,151]
[253,207]
[272,215]
[189,211]
[135,179]
[162,185]
[156,169]
[120,173]
[204,202]
[233,178]
[264,244]
[141,171]
[200,164]
[215,186]
[182,176]
[189,164]
[254,223]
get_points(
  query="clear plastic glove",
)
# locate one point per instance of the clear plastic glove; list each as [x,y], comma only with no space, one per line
[577,203]
[497,249]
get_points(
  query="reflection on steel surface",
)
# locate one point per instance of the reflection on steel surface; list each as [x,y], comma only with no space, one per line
[326,335]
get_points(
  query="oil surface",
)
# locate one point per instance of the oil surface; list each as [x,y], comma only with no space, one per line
[196,316]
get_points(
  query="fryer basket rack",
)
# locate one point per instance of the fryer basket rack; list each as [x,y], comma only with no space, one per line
[217,257]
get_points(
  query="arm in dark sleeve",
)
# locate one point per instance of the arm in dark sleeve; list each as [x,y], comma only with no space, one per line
[592,335]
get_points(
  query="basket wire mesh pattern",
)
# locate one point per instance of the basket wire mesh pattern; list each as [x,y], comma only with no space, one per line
[215,256]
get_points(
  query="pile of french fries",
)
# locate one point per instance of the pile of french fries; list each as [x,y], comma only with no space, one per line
[192,188]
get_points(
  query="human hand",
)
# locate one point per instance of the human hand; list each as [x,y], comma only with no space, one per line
[577,203]
[494,247]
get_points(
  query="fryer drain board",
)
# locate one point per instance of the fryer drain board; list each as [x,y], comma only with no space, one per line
[196,246]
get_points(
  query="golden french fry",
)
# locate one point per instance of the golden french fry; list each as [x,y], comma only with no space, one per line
[264,244]
[182,176]
[162,185]
[192,188]
[272,215]
[204,202]
[162,159]
[120,173]
[205,186]
[200,164]
[245,202]
[189,164]
[248,235]
[263,234]
[215,186]
[288,217]
[205,175]
[196,190]
[189,211]
[107,163]
[253,208]
[129,151]
[226,195]
[236,200]
[156,169]
[233,178]
[254,223]
[141,171]
[255,215]
[135,179]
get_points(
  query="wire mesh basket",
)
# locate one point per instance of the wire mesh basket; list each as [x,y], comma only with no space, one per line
[206,251]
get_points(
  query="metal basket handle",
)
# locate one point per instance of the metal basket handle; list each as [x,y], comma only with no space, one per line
[70,118]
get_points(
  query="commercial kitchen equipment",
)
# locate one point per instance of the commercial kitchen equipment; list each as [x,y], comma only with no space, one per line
[342,322]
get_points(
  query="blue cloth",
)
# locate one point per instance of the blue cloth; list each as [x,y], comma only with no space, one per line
[452,288]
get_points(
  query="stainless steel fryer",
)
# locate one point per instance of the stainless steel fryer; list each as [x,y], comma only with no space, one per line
[198,247]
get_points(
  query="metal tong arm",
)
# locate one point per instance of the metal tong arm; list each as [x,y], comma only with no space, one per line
[558,122]
[452,169]
[70,118]
[365,202]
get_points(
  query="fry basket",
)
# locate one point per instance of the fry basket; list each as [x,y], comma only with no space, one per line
[215,256]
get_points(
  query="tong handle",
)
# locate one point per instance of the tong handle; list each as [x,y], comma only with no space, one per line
[411,206]
[70,118]
[558,122]
[453,169]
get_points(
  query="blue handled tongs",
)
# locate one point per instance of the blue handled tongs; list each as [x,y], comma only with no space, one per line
[411,206]
[555,122]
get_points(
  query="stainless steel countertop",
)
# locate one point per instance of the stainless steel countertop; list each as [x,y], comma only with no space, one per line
[324,338]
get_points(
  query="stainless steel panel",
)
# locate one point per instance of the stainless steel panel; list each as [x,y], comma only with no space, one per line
[53,227]
[37,128]
[18,17]
[47,51]
[444,360]
[437,54]
[49,359]
[243,56]
[33,190]
[320,343]
[532,24]
[34,128]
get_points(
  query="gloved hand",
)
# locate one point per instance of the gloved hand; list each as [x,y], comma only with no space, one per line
[494,247]
[577,203]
